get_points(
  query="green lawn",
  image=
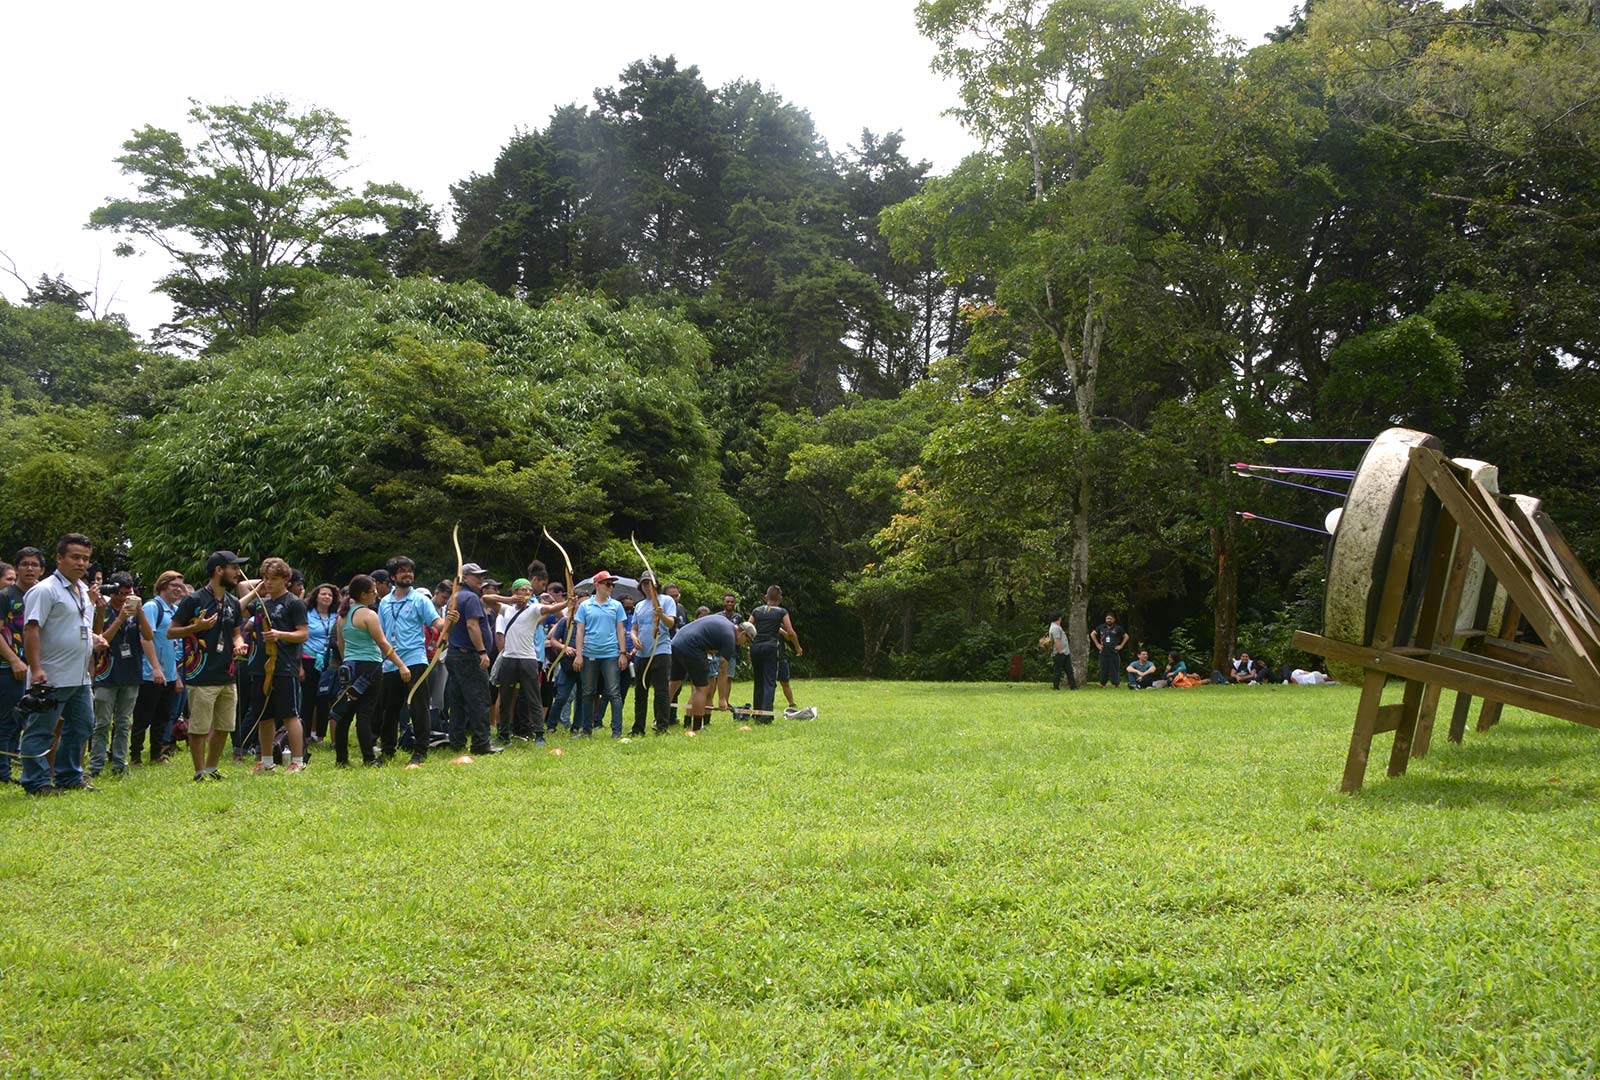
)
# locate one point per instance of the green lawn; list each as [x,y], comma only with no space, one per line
[929,880]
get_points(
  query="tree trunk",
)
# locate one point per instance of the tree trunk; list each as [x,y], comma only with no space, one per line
[1226,620]
[1078,581]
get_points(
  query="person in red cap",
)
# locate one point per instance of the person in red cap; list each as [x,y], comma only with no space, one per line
[599,649]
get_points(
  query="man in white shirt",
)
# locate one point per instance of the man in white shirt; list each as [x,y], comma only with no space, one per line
[59,642]
[520,633]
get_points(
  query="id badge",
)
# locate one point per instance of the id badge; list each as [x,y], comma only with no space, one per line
[83,633]
[125,651]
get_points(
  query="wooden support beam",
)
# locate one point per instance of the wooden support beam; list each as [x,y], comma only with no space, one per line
[1581,711]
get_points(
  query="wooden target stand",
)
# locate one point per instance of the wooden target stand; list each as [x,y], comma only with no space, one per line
[1531,574]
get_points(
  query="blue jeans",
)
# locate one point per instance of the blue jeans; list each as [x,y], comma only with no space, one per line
[74,707]
[566,688]
[10,725]
[593,671]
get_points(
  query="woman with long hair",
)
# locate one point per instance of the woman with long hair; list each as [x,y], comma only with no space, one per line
[317,655]
[365,649]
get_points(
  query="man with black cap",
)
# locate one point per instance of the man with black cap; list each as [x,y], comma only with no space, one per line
[467,662]
[209,623]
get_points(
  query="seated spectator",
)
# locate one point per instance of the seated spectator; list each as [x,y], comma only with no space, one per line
[1239,673]
[1142,672]
[1175,667]
[1261,671]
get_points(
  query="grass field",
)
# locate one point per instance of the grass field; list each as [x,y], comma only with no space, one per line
[929,880]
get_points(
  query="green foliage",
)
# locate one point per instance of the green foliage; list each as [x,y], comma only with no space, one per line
[63,474]
[50,351]
[1407,374]
[400,409]
[243,211]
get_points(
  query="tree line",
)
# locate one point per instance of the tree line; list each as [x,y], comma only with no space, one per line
[931,406]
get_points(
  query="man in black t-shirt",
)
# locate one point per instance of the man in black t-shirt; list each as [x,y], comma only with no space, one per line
[208,622]
[1110,638]
[282,627]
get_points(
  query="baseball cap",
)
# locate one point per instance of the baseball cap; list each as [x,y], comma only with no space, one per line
[222,558]
[472,568]
[521,583]
[604,577]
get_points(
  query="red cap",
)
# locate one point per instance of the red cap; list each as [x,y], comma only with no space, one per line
[603,576]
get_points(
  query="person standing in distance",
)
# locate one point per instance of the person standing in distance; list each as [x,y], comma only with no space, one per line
[1110,638]
[406,615]
[599,656]
[59,642]
[153,711]
[772,624]
[467,664]
[118,675]
[29,568]
[276,692]
[653,653]
[1060,654]
[210,627]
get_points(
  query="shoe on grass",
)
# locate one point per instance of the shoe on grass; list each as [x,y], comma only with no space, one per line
[295,767]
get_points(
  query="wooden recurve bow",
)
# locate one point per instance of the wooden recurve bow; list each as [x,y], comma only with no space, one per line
[655,614]
[444,641]
[572,611]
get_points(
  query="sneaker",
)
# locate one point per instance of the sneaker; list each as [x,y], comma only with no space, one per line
[375,763]
[200,777]
[81,785]
[262,767]
[295,766]
[538,740]
[495,749]
[213,775]
[42,792]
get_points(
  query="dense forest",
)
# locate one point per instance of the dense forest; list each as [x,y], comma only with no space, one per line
[932,407]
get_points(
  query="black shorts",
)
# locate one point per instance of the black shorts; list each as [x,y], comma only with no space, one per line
[691,667]
[783,667]
[285,697]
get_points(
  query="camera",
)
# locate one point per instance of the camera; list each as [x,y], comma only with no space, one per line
[36,700]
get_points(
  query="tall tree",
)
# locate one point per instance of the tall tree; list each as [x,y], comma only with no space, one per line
[243,212]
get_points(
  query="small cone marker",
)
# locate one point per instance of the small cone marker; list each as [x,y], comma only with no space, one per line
[464,759]
[414,765]
[746,727]
[557,752]
[691,733]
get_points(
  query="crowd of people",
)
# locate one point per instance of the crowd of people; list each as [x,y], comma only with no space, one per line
[1110,638]
[272,670]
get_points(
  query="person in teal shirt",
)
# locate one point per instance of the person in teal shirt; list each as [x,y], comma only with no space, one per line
[1142,672]
[599,655]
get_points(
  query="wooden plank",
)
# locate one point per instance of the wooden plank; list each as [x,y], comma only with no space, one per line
[1388,718]
[1583,711]
[1577,605]
[1489,715]
[1355,762]
[1569,561]
[1523,655]
[1441,602]
[1458,717]
[1398,575]
[1520,674]
[1495,538]
[1400,753]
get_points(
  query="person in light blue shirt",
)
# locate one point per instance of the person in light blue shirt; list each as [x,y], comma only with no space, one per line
[599,656]
[653,653]
[152,712]
[406,614]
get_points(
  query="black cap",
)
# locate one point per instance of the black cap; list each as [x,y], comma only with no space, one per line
[296,578]
[380,576]
[222,558]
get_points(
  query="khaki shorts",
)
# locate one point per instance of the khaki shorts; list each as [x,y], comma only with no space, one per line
[211,708]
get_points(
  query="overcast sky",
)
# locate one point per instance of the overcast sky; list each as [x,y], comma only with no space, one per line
[431,92]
